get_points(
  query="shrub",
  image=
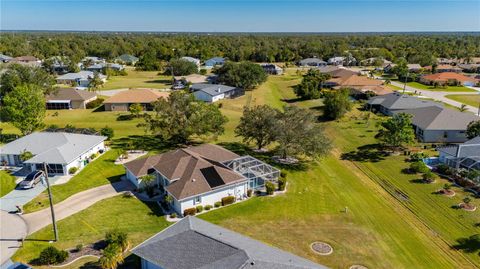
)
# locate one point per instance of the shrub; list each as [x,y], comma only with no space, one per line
[93,156]
[429,176]
[249,192]
[418,167]
[270,187]
[444,169]
[199,208]
[190,211]
[228,200]
[217,204]
[208,207]
[418,156]
[203,71]
[173,215]
[52,255]
[72,170]
[116,237]
[107,131]
[125,117]
[282,183]
[283,174]
[95,103]
[78,247]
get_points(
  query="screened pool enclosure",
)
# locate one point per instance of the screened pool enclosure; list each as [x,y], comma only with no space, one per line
[256,171]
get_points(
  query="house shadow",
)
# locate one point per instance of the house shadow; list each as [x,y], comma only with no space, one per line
[100,108]
[163,81]
[417,181]
[468,244]
[366,153]
[142,142]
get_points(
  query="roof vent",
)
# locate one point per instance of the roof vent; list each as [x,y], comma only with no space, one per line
[193,180]
[218,90]
[252,263]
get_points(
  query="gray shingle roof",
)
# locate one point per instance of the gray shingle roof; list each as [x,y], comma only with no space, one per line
[396,101]
[61,148]
[312,61]
[194,243]
[470,148]
[212,89]
[438,118]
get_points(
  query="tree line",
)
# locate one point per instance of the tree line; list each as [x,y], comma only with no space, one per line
[416,48]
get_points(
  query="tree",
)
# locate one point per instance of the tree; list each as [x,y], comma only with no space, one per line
[401,69]
[148,179]
[17,75]
[397,131]
[180,116]
[112,256]
[135,109]
[258,124]
[95,83]
[119,238]
[467,200]
[473,129]
[108,132]
[181,67]
[24,107]
[463,108]
[26,155]
[246,75]
[148,62]
[311,85]
[299,134]
[337,103]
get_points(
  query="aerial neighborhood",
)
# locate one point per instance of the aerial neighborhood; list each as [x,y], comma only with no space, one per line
[135,150]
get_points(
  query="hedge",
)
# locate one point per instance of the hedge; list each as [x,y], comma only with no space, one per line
[270,187]
[228,200]
[208,207]
[199,208]
[217,204]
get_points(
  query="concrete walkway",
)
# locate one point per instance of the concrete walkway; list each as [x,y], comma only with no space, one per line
[439,96]
[12,229]
[76,203]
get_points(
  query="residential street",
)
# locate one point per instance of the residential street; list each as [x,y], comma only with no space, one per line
[12,229]
[439,96]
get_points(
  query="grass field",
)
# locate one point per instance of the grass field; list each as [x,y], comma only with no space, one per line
[392,221]
[468,99]
[447,89]
[140,220]
[7,183]
[138,79]
[99,172]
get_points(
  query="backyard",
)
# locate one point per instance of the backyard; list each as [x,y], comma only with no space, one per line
[391,220]
[138,79]
[468,99]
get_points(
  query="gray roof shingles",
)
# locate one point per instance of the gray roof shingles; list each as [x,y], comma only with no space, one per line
[212,89]
[471,148]
[194,243]
[396,101]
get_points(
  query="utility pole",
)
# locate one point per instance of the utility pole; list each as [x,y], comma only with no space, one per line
[55,231]
[405,83]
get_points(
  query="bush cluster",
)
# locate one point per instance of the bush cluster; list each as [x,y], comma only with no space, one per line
[217,204]
[270,187]
[52,255]
[199,208]
[72,170]
[249,192]
[228,200]
[282,183]
[190,211]
[418,167]
[208,207]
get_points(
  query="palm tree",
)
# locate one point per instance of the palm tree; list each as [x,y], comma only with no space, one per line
[467,200]
[112,256]
[447,187]
[463,108]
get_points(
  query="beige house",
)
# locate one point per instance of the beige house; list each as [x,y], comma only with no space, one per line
[69,98]
[124,99]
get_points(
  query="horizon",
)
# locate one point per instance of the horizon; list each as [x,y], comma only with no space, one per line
[264,16]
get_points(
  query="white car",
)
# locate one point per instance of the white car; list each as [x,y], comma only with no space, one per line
[32,179]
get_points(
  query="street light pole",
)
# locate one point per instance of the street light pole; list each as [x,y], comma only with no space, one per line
[55,230]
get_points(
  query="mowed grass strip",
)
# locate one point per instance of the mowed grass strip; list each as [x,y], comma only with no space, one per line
[468,99]
[139,220]
[97,173]
[7,183]
[439,89]
[138,79]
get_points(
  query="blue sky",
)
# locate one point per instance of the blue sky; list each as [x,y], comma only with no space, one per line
[241,16]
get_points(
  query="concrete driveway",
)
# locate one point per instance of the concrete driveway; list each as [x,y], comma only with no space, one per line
[12,229]
[21,197]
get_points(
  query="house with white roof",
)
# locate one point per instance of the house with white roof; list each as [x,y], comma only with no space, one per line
[60,151]
[192,60]
[80,79]
[215,61]
[214,92]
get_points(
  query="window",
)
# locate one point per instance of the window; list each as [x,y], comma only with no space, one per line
[197,200]
[58,106]
[445,134]
[53,168]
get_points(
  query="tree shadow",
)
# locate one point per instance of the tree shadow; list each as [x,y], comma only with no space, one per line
[142,142]
[417,181]
[468,244]
[162,81]
[366,153]
[293,100]
[7,138]
[131,262]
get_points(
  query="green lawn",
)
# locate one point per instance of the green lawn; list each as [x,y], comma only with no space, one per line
[7,183]
[87,118]
[138,79]
[140,220]
[99,172]
[447,89]
[468,99]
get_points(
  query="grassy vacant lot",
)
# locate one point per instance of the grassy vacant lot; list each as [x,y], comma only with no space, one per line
[138,79]
[7,183]
[140,220]
[99,172]
[468,99]
[447,89]
[87,118]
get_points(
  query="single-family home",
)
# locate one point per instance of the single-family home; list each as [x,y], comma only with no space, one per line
[127,59]
[272,69]
[201,175]
[448,78]
[449,61]
[340,60]
[124,99]
[213,92]
[193,243]
[371,61]
[308,62]
[413,68]
[181,82]
[215,61]
[369,90]
[435,124]
[466,155]
[101,67]
[80,79]
[470,68]
[27,60]
[60,151]
[192,60]
[69,98]
[352,81]
[92,60]
[389,103]
[5,58]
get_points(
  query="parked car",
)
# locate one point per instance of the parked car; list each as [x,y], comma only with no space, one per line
[32,179]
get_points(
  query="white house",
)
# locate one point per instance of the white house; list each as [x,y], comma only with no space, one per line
[60,151]
[213,92]
[81,79]
[465,155]
[192,60]
[201,175]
